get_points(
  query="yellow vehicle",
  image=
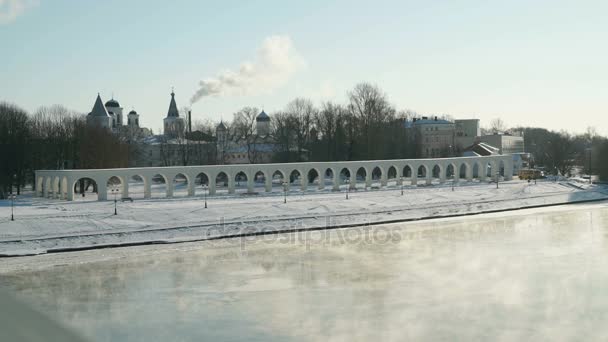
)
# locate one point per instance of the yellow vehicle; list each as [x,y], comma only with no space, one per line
[529,174]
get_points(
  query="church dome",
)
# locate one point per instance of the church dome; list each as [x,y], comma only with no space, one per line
[133,112]
[262,117]
[221,126]
[112,103]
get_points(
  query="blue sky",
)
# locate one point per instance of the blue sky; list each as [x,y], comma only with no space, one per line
[542,63]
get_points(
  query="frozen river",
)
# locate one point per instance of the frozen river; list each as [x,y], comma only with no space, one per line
[529,275]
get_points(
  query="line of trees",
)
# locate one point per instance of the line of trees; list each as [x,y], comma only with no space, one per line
[366,126]
[51,138]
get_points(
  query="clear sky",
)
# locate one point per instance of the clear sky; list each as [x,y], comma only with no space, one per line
[541,63]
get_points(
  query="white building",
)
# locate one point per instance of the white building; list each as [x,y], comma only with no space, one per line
[115,111]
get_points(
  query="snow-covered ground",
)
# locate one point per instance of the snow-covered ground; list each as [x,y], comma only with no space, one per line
[44,225]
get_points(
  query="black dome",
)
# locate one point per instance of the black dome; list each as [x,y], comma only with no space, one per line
[133,112]
[112,103]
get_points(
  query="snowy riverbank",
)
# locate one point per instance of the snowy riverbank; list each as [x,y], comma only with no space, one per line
[44,225]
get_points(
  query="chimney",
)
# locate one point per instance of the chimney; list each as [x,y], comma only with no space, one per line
[190,121]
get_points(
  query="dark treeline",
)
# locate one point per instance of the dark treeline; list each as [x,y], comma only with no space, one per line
[366,126]
[51,138]
[562,152]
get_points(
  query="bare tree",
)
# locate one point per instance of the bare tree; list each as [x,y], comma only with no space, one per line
[244,127]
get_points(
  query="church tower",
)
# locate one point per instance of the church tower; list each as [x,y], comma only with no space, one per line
[133,119]
[115,110]
[220,135]
[262,124]
[173,124]
[99,116]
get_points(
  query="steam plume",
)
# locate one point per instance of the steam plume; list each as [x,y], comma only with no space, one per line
[275,62]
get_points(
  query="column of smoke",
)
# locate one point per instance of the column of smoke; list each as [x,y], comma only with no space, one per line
[275,62]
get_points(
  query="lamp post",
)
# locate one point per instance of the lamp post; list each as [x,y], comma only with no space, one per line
[285,184]
[401,179]
[497,177]
[13,197]
[205,189]
[115,192]
[347,182]
[590,172]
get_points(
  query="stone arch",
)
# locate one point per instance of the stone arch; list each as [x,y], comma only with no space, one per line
[408,171]
[361,174]
[450,171]
[312,175]
[344,174]
[422,171]
[501,168]
[241,179]
[278,177]
[114,187]
[201,179]
[377,173]
[180,184]
[329,174]
[158,186]
[463,170]
[436,171]
[477,170]
[85,188]
[259,179]
[137,186]
[392,173]
[294,176]
[221,181]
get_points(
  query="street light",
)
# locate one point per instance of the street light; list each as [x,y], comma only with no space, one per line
[401,179]
[205,189]
[347,182]
[13,197]
[589,149]
[497,177]
[285,184]
[115,192]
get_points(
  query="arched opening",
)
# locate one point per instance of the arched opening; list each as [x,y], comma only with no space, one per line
[449,171]
[313,177]
[85,189]
[294,177]
[407,172]
[277,179]
[501,168]
[328,178]
[376,176]
[422,171]
[114,187]
[436,171]
[180,185]
[344,175]
[490,170]
[361,176]
[463,170]
[221,182]
[158,186]
[259,181]
[391,173]
[476,170]
[240,181]
[137,186]
[201,179]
